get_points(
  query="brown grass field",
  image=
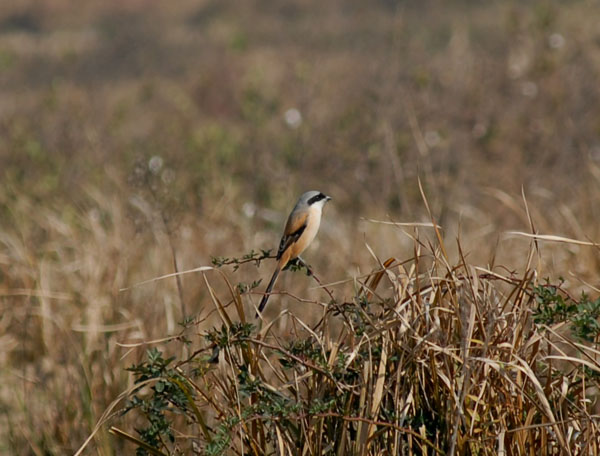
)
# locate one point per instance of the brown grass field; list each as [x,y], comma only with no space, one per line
[142,138]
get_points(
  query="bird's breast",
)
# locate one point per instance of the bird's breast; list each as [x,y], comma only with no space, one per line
[312,226]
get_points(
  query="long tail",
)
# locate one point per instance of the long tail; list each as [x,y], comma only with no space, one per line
[265,298]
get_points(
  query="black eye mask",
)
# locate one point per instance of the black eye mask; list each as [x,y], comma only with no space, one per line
[316,198]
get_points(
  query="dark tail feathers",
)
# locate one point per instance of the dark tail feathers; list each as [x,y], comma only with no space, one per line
[265,298]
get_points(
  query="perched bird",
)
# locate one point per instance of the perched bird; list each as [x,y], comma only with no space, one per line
[300,229]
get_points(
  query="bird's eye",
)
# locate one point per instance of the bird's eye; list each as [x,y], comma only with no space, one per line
[314,199]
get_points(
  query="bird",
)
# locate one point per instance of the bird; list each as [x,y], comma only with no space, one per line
[300,230]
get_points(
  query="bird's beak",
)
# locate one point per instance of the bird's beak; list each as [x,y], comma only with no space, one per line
[327,198]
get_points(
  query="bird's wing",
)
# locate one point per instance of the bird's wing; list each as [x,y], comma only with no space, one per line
[294,228]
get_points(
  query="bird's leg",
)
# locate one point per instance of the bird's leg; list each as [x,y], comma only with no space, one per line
[298,263]
[292,264]
[303,263]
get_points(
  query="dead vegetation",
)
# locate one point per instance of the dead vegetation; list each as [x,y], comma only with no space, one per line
[140,139]
[427,357]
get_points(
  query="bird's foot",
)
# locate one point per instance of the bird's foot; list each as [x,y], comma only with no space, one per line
[305,265]
[298,264]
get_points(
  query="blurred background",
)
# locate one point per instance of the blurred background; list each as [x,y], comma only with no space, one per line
[141,136]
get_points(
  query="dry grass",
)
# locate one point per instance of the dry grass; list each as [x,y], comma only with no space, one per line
[138,139]
[427,357]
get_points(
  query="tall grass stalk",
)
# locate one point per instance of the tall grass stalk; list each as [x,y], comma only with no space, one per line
[427,357]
